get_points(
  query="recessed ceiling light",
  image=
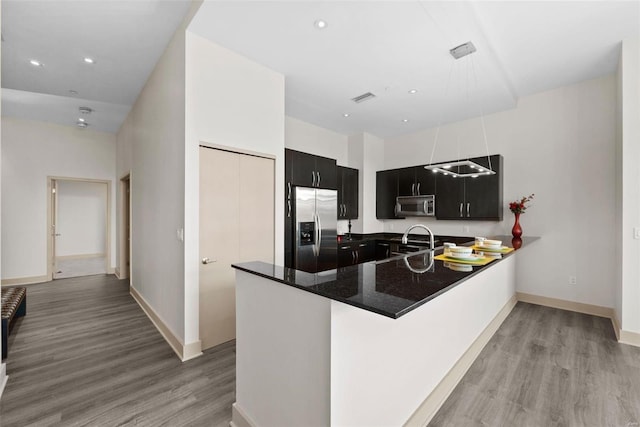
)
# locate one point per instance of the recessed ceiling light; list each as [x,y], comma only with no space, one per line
[36,63]
[73,92]
[85,110]
[82,125]
[346,114]
[89,60]
[320,24]
[412,91]
[405,120]
[81,120]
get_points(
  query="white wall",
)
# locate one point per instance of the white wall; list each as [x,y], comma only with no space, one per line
[366,153]
[309,138]
[560,145]
[630,159]
[81,218]
[31,152]
[151,147]
[232,102]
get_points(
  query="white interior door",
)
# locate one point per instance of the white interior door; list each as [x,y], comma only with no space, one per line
[80,228]
[236,224]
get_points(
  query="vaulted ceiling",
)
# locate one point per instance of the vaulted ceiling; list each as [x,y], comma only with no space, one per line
[388,48]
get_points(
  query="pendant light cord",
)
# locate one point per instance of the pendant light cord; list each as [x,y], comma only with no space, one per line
[484,129]
[446,91]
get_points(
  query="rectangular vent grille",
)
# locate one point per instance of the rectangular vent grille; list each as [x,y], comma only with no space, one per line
[462,50]
[363,97]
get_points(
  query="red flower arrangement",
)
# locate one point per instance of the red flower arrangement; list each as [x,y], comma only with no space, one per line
[520,206]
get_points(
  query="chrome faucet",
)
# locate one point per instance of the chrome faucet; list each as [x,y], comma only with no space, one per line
[405,237]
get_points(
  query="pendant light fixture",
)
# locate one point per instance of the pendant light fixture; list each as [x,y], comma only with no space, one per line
[462,168]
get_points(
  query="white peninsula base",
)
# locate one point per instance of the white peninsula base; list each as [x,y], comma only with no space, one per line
[306,360]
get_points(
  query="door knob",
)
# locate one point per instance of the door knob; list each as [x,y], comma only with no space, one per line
[206,260]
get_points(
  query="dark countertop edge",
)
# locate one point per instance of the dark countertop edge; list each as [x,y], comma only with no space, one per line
[313,291]
[408,309]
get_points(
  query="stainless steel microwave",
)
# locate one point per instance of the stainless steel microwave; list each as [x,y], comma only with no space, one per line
[416,205]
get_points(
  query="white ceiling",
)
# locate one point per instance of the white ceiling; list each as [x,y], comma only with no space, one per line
[126,38]
[386,47]
[390,47]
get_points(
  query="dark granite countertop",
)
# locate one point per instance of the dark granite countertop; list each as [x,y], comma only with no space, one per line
[391,287]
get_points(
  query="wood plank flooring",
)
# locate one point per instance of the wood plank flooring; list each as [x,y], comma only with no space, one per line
[548,367]
[86,354]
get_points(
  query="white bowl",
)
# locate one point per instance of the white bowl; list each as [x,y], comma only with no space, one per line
[492,243]
[461,250]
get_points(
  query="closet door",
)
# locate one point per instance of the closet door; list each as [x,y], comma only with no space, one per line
[236,225]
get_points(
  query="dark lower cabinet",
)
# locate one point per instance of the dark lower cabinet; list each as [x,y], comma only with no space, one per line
[352,253]
[383,250]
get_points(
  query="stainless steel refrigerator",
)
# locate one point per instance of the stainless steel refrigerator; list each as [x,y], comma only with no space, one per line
[316,223]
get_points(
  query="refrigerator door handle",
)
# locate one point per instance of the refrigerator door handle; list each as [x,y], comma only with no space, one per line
[318,233]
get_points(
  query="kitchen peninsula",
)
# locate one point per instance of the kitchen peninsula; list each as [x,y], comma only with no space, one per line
[365,344]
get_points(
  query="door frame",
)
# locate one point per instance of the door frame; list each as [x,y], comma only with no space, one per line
[124,216]
[50,195]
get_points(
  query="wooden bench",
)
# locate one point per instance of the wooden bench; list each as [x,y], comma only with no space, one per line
[14,304]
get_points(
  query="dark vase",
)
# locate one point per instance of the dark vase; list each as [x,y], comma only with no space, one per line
[516,243]
[516,231]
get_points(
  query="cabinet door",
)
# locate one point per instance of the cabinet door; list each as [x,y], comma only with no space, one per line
[383,250]
[386,193]
[340,186]
[366,252]
[346,256]
[425,181]
[483,195]
[350,193]
[303,168]
[449,197]
[326,173]
[288,208]
[406,182]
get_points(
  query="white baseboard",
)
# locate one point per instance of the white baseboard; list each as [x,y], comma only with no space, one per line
[24,280]
[116,271]
[428,409]
[3,377]
[184,352]
[239,418]
[628,337]
[616,325]
[594,310]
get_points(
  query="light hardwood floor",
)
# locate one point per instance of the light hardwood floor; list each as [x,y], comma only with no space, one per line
[86,354]
[548,367]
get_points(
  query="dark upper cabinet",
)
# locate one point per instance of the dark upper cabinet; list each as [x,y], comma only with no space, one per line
[347,193]
[386,193]
[471,198]
[416,181]
[308,170]
[288,208]
[483,195]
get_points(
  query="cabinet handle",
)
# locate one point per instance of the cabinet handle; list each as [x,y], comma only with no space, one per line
[396,208]
[362,245]
[289,188]
[461,209]
[313,178]
[318,178]
[413,189]
[357,256]
[468,205]
[289,206]
[353,256]
[345,210]
[418,190]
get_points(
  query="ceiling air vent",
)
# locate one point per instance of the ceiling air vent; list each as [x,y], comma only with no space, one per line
[462,50]
[363,97]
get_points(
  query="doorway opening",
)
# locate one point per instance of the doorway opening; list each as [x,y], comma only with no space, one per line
[78,227]
[124,264]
